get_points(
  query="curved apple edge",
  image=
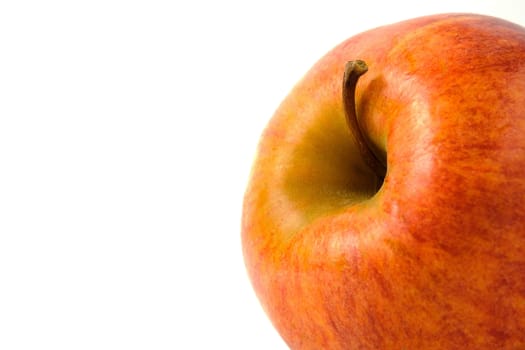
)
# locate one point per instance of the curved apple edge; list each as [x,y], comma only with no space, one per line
[354,70]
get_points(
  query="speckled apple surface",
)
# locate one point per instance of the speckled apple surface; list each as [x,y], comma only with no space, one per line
[435,259]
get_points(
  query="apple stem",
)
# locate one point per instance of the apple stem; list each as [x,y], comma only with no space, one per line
[353,70]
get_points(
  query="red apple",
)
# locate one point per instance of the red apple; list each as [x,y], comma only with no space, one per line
[395,219]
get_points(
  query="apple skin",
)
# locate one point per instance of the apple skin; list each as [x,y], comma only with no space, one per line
[434,259]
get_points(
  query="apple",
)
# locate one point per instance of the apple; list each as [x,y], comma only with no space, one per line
[386,204]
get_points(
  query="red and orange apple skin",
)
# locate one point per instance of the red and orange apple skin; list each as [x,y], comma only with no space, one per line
[436,258]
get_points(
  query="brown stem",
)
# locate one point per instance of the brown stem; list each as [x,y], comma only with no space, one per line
[353,70]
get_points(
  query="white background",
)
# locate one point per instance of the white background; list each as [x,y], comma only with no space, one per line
[127,132]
